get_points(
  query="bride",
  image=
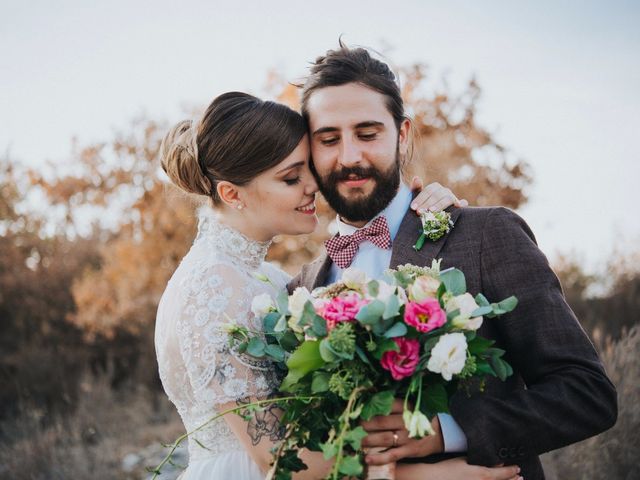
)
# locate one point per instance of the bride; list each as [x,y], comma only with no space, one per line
[250,160]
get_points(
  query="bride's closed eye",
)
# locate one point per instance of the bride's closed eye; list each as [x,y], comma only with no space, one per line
[292,181]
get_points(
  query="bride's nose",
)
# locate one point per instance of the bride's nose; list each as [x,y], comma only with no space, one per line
[311,186]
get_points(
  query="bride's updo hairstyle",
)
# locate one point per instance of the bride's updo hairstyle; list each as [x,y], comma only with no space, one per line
[239,137]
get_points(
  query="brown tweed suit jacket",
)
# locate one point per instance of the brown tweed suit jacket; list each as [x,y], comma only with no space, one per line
[559,393]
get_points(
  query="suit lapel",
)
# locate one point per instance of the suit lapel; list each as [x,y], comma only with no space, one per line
[319,270]
[410,229]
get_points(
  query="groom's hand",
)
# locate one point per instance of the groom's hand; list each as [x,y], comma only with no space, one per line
[384,431]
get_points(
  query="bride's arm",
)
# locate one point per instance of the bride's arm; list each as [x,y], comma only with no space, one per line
[259,436]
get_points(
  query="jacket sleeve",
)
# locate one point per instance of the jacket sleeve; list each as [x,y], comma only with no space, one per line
[568,396]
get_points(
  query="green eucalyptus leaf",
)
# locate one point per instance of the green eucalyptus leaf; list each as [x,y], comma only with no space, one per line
[281,324]
[256,347]
[371,313]
[480,311]
[454,281]
[319,326]
[508,304]
[392,309]
[398,330]
[275,351]
[270,320]
[482,301]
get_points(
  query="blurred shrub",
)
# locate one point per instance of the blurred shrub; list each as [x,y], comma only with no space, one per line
[614,453]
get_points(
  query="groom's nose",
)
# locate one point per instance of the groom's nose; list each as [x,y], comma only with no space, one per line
[350,153]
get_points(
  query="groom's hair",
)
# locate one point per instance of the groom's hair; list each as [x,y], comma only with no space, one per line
[354,65]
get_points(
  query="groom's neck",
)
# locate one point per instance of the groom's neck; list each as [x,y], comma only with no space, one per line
[358,224]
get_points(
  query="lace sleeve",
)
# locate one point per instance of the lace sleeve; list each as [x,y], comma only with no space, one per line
[216,295]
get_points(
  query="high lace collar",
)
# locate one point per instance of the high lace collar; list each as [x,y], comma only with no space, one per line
[242,249]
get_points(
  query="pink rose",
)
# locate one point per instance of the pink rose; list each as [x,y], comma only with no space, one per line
[403,363]
[343,308]
[424,316]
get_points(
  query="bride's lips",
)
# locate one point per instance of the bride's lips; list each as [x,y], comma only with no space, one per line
[308,209]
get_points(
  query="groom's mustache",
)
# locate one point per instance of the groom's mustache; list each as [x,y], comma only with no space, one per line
[346,172]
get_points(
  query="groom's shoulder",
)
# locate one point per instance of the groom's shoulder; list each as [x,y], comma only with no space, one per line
[489,217]
[494,222]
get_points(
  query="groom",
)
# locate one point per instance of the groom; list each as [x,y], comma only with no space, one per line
[559,393]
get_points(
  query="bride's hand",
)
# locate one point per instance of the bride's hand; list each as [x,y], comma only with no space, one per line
[434,197]
[455,469]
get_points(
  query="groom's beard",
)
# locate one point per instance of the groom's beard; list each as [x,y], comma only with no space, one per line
[362,208]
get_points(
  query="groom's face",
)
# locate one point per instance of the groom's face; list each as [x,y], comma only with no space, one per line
[356,147]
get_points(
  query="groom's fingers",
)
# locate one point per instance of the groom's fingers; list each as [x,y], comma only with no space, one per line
[392,455]
[388,422]
[385,439]
[397,406]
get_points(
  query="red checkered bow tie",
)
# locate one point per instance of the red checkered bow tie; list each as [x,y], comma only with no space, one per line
[343,248]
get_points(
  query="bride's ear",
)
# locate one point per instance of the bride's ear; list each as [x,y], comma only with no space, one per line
[229,194]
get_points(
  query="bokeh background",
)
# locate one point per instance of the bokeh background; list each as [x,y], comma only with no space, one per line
[530,105]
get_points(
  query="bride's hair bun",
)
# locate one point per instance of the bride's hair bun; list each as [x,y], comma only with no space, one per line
[179,159]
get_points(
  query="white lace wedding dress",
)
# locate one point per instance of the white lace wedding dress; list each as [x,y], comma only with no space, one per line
[214,285]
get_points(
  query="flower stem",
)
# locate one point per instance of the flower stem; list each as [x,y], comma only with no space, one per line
[345,417]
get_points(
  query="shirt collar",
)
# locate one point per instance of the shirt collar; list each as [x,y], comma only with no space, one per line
[394,213]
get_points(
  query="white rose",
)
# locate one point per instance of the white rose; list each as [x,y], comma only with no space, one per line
[298,298]
[466,304]
[424,287]
[262,304]
[449,355]
[353,278]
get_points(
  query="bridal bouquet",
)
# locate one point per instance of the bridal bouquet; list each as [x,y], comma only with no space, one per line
[352,347]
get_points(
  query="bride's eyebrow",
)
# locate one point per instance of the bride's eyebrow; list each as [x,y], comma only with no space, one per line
[293,165]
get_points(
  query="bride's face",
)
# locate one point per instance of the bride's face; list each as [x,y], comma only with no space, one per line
[281,200]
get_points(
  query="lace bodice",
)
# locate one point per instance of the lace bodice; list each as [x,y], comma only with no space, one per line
[213,286]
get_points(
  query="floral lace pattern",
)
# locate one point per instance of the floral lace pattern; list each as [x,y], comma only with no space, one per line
[212,287]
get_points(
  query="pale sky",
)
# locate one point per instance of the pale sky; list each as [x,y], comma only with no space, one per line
[560,80]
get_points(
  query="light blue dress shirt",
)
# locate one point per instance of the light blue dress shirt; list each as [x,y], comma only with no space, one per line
[374,261]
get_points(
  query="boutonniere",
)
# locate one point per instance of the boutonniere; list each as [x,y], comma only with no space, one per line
[435,225]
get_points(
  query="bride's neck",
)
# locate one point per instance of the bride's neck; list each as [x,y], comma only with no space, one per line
[239,221]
